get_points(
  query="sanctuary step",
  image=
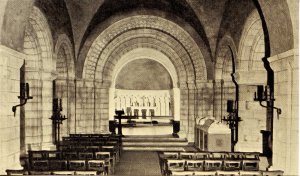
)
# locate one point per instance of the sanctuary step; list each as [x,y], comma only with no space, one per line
[155,143]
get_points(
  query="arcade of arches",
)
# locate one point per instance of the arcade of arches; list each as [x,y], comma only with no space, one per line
[179,60]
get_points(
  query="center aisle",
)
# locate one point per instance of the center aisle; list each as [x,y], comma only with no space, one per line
[138,164]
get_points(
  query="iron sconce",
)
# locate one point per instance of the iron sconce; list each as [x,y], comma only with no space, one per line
[264,94]
[24,96]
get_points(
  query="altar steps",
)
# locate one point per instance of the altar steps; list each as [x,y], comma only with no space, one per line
[154,143]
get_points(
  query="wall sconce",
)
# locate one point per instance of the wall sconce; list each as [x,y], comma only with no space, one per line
[24,96]
[264,94]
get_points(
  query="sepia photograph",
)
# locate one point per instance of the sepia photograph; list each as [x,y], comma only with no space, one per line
[149,87]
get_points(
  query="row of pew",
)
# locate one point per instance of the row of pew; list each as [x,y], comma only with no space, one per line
[210,163]
[77,154]
[227,173]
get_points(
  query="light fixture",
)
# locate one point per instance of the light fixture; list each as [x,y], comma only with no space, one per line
[232,121]
[264,94]
[57,118]
[24,96]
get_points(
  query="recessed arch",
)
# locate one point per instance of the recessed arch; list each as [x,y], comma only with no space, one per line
[226,44]
[146,22]
[44,37]
[64,64]
[38,46]
[251,46]
[142,53]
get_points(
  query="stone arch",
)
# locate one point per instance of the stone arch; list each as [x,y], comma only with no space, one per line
[225,87]
[145,22]
[65,65]
[40,25]
[251,46]
[38,47]
[180,68]
[251,72]
[65,75]
[226,44]
[148,53]
[277,15]
[142,40]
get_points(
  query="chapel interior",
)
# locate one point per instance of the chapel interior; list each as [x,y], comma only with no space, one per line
[149,87]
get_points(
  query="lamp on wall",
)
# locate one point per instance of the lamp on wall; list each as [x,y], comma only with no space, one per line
[264,94]
[24,96]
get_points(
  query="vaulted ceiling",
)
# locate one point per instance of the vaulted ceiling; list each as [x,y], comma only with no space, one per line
[205,16]
[211,19]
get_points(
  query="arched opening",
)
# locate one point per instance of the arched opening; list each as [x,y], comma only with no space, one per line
[251,72]
[144,84]
[38,73]
[133,33]
[143,89]
[64,82]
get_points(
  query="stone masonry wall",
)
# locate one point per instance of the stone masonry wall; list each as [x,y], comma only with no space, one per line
[285,137]
[10,63]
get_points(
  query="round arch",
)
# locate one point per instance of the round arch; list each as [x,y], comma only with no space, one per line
[66,64]
[145,22]
[226,44]
[38,46]
[251,46]
[142,53]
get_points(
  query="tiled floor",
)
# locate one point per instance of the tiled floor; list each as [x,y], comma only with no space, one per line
[138,164]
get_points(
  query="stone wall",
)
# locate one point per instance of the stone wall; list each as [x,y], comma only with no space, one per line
[253,120]
[84,106]
[10,63]
[285,137]
[196,103]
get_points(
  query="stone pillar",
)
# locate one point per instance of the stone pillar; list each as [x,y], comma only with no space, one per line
[80,106]
[252,114]
[192,91]
[10,64]
[89,115]
[205,98]
[71,105]
[47,97]
[183,110]
[219,99]
[176,96]
[111,103]
[176,110]
[285,133]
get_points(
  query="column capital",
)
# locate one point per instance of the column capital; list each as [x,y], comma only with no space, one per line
[255,77]
[285,60]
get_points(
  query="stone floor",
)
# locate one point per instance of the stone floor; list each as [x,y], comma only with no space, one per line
[138,164]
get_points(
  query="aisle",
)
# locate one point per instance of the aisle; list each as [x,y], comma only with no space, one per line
[138,164]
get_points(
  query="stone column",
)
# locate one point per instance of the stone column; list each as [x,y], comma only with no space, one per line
[80,106]
[111,103]
[10,64]
[183,110]
[205,98]
[71,105]
[176,110]
[176,96]
[285,133]
[252,114]
[89,115]
[47,97]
